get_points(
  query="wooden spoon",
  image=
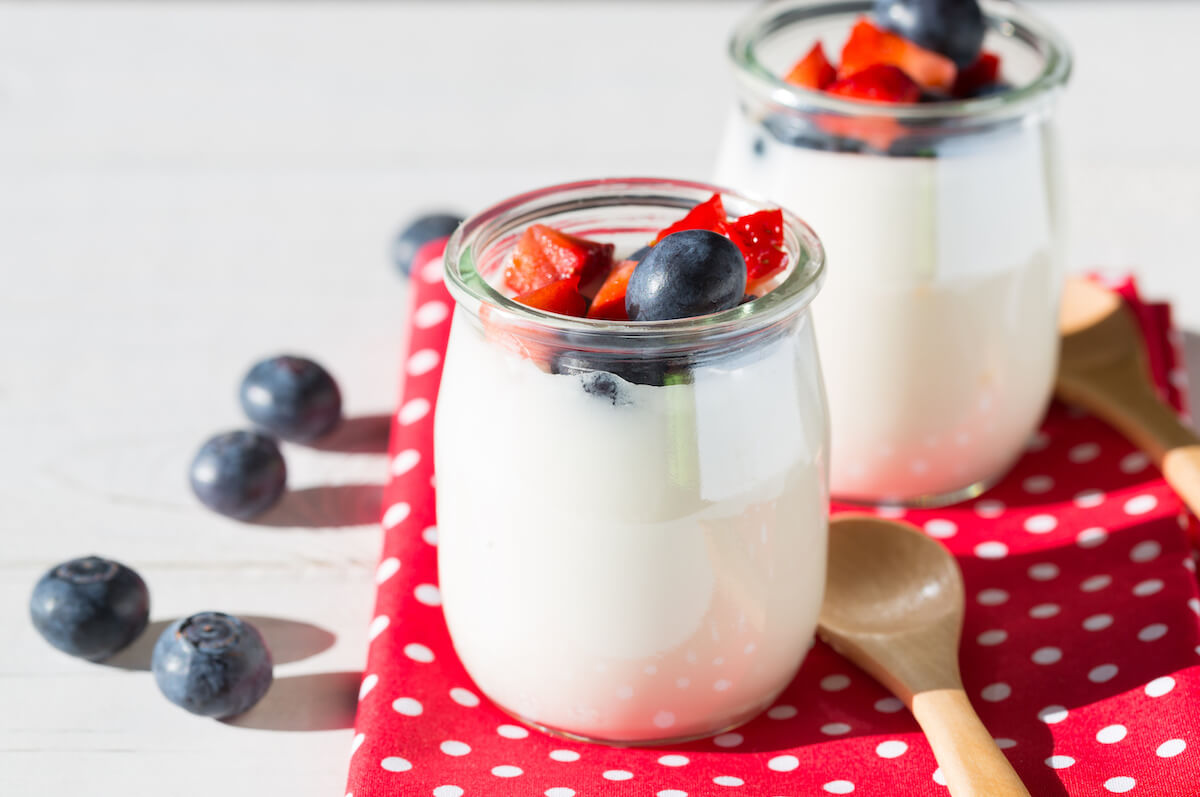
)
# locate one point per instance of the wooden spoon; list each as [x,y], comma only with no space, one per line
[894,606]
[1103,369]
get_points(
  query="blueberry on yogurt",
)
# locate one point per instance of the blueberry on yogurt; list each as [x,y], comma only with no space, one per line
[689,273]
[954,28]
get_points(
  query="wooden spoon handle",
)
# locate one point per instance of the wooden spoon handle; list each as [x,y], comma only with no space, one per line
[1126,401]
[970,760]
[1181,468]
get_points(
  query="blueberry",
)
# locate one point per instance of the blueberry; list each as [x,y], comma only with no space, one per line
[419,232]
[991,89]
[596,371]
[759,146]
[212,664]
[689,273]
[799,132]
[239,474]
[953,28]
[90,607]
[291,397]
[640,254]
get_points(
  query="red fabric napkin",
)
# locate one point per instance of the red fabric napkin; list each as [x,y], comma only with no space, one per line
[1080,648]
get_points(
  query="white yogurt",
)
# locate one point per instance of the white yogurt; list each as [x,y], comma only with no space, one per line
[641,569]
[937,322]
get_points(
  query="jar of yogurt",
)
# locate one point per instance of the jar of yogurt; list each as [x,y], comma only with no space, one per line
[632,516]
[938,324]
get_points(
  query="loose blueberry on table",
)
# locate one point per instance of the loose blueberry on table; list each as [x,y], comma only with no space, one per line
[291,397]
[419,232]
[240,474]
[212,664]
[90,607]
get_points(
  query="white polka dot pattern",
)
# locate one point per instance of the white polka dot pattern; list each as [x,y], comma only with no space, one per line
[1073,578]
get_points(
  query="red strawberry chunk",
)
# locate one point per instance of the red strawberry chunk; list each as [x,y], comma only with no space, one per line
[813,71]
[610,299]
[708,215]
[760,238]
[561,296]
[869,45]
[878,83]
[544,255]
[984,72]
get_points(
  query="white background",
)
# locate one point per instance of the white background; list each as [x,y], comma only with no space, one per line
[187,187]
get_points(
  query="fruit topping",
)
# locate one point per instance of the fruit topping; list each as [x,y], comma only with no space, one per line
[759,237]
[813,71]
[291,397]
[954,28]
[544,255]
[240,474]
[212,664]
[708,215]
[689,273]
[561,296]
[90,607]
[979,76]
[878,83]
[610,299]
[639,254]
[420,232]
[870,45]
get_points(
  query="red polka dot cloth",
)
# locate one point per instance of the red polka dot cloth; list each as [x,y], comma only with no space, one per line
[1079,649]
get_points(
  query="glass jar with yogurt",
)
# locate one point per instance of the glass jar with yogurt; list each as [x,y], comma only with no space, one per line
[632,516]
[937,327]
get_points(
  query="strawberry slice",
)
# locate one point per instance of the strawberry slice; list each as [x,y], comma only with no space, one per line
[983,72]
[708,215]
[760,237]
[610,299]
[869,45]
[878,83]
[561,296]
[813,71]
[544,255]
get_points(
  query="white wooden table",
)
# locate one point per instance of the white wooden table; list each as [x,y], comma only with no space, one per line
[186,187]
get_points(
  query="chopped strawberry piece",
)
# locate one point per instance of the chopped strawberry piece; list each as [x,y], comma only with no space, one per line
[708,215]
[813,71]
[983,72]
[869,45]
[544,255]
[610,299]
[760,238]
[561,296]
[878,83]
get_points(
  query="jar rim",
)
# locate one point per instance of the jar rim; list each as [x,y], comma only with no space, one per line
[469,288]
[1005,16]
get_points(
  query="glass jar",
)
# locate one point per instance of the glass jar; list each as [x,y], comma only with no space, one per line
[632,517]
[937,327]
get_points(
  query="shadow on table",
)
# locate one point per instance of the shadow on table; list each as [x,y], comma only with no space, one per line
[366,434]
[327,506]
[288,641]
[323,701]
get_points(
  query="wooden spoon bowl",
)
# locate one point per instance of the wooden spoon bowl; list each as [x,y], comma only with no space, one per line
[894,606]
